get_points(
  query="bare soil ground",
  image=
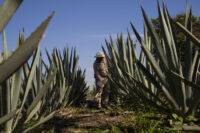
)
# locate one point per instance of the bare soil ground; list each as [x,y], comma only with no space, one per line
[83,120]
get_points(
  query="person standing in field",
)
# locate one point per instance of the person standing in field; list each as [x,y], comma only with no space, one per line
[101,78]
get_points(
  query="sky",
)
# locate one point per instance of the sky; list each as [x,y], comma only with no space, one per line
[85,24]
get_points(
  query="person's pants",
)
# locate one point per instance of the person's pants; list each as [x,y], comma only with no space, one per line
[97,97]
[102,95]
[105,96]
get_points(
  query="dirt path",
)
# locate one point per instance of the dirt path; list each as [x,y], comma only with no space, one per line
[83,120]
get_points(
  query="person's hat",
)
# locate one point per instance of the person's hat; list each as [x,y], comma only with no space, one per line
[100,55]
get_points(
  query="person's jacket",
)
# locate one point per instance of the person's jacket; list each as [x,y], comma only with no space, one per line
[100,70]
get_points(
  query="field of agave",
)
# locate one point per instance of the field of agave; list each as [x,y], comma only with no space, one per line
[32,89]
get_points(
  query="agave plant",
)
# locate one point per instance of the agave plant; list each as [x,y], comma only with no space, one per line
[160,79]
[70,78]
[120,55]
[31,90]
[15,88]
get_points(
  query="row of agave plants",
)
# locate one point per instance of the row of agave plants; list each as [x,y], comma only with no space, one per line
[31,88]
[156,77]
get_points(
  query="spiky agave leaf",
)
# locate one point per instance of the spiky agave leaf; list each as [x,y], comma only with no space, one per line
[23,52]
[7,10]
[8,116]
[40,122]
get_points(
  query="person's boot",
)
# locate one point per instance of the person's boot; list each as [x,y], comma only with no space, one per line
[99,106]
[99,103]
[104,101]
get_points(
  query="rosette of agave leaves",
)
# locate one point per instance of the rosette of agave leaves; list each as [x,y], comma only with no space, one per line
[157,78]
